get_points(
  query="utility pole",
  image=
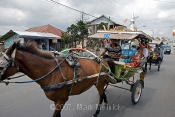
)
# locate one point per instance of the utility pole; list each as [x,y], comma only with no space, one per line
[82,16]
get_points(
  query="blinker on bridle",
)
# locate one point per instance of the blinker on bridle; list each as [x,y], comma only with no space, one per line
[5,62]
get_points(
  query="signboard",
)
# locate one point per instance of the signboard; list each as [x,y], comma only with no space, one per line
[107,35]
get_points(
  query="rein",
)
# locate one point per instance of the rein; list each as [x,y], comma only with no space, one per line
[30,81]
[15,77]
[10,61]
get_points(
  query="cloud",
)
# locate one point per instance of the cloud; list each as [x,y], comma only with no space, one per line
[23,14]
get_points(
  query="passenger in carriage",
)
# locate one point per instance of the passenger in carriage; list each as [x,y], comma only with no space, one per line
[114,53]
[135,59]
[145,53]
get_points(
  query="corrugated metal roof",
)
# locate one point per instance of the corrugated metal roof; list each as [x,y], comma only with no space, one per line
[37,34]
[29,34]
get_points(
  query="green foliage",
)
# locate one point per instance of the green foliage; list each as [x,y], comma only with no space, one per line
[66,38]
[92,43]
[100,26]
[78,32]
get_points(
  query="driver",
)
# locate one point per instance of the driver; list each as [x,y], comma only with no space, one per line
[114,53]
[157,50]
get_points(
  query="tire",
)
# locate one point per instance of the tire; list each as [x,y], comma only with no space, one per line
[136,92]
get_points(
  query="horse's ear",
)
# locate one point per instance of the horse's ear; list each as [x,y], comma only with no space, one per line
[14,45]
[18,44]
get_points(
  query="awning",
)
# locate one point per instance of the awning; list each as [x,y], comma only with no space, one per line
[113,35]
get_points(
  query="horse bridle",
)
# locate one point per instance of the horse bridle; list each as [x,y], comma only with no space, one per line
[5,62]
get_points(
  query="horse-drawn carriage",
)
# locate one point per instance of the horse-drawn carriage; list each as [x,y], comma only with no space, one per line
[155,57]
[123,73]
[67,75]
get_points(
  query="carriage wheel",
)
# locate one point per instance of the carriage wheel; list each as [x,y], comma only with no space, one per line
[136,92]
[159,62]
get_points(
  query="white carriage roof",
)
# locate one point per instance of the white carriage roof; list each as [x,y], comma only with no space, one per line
[114,35]
[118,34]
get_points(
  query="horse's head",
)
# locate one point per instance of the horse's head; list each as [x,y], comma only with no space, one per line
[7,67]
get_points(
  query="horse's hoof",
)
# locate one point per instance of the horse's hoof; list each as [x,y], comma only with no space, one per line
[105,103]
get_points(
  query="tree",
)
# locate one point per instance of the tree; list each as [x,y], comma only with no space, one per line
[66,38]
[100,26]
[82,31]
[78,32]
[92,43]
[73,31]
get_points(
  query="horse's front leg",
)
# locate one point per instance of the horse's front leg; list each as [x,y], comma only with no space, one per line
[58,107]
[57,113]
[99,105]
[102,95]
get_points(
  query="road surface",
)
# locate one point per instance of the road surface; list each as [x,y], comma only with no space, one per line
[157,100]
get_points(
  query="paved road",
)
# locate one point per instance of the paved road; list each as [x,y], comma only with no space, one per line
[158,98]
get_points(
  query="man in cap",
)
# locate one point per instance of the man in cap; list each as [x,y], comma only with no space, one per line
[114,52]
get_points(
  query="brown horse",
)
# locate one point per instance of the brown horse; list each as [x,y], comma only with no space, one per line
[55,74]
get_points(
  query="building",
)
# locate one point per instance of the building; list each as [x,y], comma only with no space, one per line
[92,25]
[42,39]
[45,36]
[56,44]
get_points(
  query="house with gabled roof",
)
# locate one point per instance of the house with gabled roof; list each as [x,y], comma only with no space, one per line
[46,29]
[45,36]
[92,25]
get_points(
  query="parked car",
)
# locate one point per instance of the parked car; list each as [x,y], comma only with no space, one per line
[153,45]
[167,49]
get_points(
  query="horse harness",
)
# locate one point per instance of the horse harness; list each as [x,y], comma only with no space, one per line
[5,62]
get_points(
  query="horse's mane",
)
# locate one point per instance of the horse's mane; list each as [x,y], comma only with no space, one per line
[32,48]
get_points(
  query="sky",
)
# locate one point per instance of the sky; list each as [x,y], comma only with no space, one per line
[154,17]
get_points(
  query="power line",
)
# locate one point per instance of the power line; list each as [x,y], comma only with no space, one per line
[127,12]
[116,7]
[122,6]
[108,3]
[55,2]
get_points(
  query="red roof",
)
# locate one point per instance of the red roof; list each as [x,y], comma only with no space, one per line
[46,29]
